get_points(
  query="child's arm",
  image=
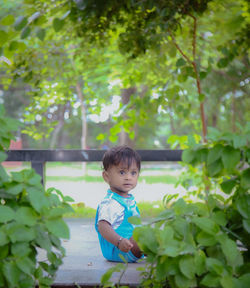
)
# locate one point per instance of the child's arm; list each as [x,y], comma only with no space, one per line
[111,236]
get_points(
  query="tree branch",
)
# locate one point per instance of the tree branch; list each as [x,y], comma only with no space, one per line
[194,36]
[179,49]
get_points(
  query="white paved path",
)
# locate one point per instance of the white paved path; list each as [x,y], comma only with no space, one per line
[92,193]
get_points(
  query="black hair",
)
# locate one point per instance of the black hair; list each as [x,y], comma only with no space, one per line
[120,154]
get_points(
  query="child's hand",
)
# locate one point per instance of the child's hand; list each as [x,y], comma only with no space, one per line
[125,245]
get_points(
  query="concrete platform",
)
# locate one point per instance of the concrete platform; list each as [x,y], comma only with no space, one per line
[84,264]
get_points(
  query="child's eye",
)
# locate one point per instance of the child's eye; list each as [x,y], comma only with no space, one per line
[134,173]
[122,172]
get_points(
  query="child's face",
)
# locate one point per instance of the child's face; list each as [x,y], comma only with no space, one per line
[122,179]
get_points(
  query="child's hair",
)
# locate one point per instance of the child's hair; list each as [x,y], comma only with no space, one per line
[120,154]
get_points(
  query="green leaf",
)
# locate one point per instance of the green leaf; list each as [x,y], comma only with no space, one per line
[211,280]
[180,62]
[20,249]
[21,233]
[3,175]
[172,249]
[230,158]
[207,225]
[17,177]
[46,281]
[205,239]
[239,141]
[135,220]
[223,62]
[244,280]
[202,97]
[100,137]
[215,168]
[245,179]
[20,23]
[8,20]
[180,207]
[183,282]
[231,252]
[12,273]
[3,37]
[37,199]
[203,75]
[58,211]
[15,189]
[58,24]
[26,215]
[41,34]
[14,45]
[227,281]
[58,227]
[147,238]
[248,155]
[4,251]
[43,240]
[214,154]
[106,276]
[113,138]
[188,156]
[200,262]
[219,218]
[164,215]
[246,225]
[6,214]
[243,205]
[214,265]
[3,238]
[26,32]
[3,156]
[202,155]
[161,268]
[26,265]
[187,266]
[68,199]
[181,226]
[228,185]
[35,179]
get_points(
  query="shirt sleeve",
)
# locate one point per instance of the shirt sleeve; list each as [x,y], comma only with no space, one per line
[112,212]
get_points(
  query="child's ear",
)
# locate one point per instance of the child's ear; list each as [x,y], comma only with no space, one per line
[105,176]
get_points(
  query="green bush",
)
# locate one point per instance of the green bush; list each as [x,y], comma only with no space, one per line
[30,220]
[205,243]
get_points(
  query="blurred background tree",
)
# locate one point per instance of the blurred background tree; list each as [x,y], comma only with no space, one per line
[90,74]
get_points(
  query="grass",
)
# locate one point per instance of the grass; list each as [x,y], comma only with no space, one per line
[76,165]
[150,209]
[81,211]
[166,179]
[86,178]
[147,210]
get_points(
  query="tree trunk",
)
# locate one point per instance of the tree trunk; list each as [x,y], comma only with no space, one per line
[125,97]
[198,83]
[214,120]
[58,127]
[173,131]
[233,113]
[84,122]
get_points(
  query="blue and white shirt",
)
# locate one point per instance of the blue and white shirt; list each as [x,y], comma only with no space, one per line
[111,210]
[116,210]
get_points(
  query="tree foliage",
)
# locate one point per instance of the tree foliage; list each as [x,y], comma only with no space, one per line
[170,46]
[30,221]
[204,242]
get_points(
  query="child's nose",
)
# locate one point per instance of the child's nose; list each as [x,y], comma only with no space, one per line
[128,175]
